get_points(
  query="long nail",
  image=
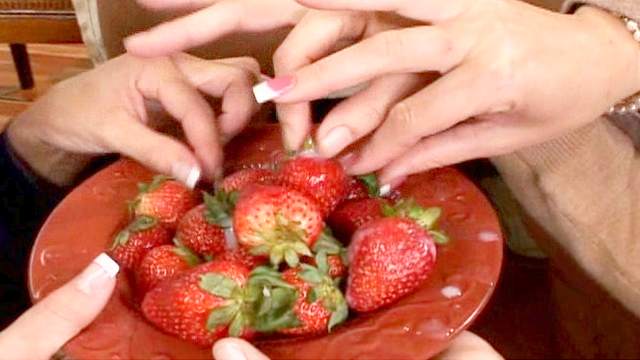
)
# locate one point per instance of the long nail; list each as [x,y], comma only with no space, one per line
[335,140]
[273,88]
[94,277]
[189,174]
[348,160]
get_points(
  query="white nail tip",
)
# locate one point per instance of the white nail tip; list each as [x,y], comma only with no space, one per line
[193,177]
[110,267]
[263,93]
[385,190]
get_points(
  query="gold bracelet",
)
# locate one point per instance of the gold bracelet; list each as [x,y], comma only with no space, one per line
[632,103]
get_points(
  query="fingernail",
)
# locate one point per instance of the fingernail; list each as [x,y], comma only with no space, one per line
[101,269]
[397,181]
[384,190]
[348,160]
[187,173]
[335,140]
[272,88]
[229,352]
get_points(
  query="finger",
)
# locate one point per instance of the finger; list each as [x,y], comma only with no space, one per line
[48,325]
[184,103]
[327,29]
[466,141]
[426,10]
[236,349]
[449,100]
[175,4]
[411,50]
[363,112]
[211,23]
[161,153]
[231,79]
[469,346]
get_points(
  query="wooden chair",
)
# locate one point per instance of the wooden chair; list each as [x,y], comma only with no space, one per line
[35,21]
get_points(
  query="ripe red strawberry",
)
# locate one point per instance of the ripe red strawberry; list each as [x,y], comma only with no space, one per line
[388,258]
[351,215]
[241,179]
[219,299]
[202,229]
[165,199]
[331,256]
[133,243]
[320,304]
[277,222]
[362,187]
[161,263]
[242,256]
[197,305]
[321,179]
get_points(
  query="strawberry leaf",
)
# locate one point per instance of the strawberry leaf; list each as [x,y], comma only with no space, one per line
[218,285]
[322,263]
[291,257]
[222,316]
[186,254]
[260,250]
[439,237]
[267,276]
[310,274]
[219,208]
[276,256]
[425,217]
[370,181]
[237,325]
[276,310]
[339,315]
[142,223]
[121,238]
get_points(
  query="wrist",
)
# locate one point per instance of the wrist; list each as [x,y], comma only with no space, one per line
[620,52]
[45,160]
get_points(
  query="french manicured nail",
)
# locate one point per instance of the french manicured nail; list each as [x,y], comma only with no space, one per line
[187,173]
[397,181]
[385,190]
[102,269]
[335,140]
[273,88]
[228,352]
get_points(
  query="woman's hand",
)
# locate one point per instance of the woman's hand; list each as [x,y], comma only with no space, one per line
[47,326]
[209,21]
[512,75]
[109,110]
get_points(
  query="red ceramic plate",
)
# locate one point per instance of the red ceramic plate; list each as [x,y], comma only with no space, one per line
[418,327]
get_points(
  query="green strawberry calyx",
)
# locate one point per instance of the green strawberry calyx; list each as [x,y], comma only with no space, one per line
[370,181]
[326,245]
[218,208]
[326,290]
[191,258]
[425,217]
[140,223]
[283,242]
[265,303]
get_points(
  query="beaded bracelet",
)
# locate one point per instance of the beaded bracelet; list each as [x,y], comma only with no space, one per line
[632,103]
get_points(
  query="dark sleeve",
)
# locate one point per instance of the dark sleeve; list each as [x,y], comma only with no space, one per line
[25,200]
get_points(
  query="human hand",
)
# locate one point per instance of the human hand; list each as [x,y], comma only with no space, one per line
[209,21]
[48,325]
[513,75]
[236,349]
[109,110]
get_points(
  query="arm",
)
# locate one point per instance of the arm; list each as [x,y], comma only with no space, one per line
[584,189]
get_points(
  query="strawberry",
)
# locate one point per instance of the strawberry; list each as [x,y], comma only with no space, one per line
[425,217]
[351,215]
[140,236]
[241,179]
[165,199]
[242,256]
[324,180]
[320,304]
[277,222]
[389,258]
[161,263]
[331,256]
[219,299]
[202,229]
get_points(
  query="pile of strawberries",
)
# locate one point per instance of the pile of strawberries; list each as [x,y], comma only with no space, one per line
[259,256]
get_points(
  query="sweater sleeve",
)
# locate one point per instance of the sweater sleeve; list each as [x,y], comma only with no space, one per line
[629,8]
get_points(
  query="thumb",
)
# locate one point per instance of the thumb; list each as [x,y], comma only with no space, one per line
[157,151]
[236,349]
[48,325]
